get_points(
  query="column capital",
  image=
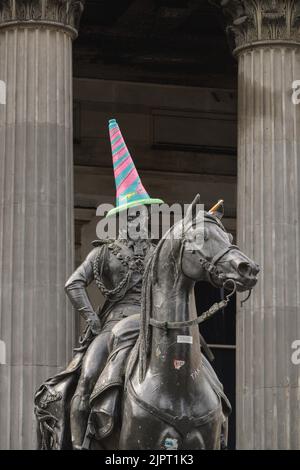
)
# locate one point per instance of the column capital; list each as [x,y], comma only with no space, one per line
[57,14]
[252,23]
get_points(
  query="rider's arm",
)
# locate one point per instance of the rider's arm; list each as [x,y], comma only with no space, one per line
[76,285]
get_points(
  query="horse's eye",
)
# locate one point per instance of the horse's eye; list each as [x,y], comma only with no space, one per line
[205,234]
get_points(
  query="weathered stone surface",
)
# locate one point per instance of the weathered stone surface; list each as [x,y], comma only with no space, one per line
[50,13]
[36,217]
[266,37]
[252,21]
[268,217]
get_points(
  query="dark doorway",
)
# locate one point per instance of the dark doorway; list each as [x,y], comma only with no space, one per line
[219,333]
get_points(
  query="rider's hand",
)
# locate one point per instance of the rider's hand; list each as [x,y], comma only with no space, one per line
[94,324]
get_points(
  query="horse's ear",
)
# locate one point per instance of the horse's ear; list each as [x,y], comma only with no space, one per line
[218,209]
[192,209]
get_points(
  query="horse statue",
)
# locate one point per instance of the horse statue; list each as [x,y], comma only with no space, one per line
[172,398]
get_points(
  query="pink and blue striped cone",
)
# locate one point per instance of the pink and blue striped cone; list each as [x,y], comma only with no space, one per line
[130,191]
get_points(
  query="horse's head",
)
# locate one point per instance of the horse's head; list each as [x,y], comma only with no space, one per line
[208,252]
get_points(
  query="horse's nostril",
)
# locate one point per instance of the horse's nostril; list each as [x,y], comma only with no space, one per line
[244,269]
[256,269]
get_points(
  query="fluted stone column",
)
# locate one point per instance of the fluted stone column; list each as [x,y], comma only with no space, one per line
[36,203]
[266,37]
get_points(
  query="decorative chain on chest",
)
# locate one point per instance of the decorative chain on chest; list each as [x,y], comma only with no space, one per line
[134,262]
[109,293]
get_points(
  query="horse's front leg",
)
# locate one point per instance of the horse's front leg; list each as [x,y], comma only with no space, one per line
[141,430]
[207,437]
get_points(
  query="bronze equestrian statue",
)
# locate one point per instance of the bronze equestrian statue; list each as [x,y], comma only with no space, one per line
[146,335]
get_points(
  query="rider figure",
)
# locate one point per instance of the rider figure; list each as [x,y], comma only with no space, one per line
[117,267]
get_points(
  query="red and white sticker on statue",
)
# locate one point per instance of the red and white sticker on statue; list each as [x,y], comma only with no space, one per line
[178,364]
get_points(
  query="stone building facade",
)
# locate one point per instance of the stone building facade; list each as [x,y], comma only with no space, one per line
[196,120]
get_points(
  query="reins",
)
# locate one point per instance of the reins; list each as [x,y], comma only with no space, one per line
[165,325]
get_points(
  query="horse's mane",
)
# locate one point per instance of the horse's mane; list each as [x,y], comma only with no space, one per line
[142,346]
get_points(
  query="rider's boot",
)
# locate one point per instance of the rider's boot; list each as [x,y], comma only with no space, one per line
[105,398]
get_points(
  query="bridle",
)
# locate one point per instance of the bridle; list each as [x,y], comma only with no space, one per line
[210,266]
[212,270]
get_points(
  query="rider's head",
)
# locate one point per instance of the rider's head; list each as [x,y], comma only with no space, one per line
[134,223]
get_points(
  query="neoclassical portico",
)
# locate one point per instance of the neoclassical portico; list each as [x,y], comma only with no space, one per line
[36,172]
[36,210]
